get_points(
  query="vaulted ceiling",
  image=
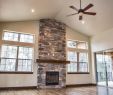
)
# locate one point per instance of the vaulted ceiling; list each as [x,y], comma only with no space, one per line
[20,10]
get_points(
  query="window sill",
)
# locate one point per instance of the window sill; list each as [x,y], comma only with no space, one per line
[9,72]
[78,73]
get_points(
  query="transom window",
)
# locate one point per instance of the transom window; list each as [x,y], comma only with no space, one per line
[26,38]
[19,37]
[78,56]
[16,57]
[10,36]
[77,44]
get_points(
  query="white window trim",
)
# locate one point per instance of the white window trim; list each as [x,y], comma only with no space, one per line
[69,49]
[18,44]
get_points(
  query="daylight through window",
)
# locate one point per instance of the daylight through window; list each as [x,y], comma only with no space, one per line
[17,57]
[77,54]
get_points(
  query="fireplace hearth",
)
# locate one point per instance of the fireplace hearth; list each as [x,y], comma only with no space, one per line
[52,78]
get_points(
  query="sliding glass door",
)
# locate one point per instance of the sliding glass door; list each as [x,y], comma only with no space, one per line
[104,68]
[109,65]
[101,69]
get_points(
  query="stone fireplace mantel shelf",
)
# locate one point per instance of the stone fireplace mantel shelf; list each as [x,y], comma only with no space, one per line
[52,61]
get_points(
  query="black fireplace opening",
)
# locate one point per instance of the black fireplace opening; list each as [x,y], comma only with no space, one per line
[52,78]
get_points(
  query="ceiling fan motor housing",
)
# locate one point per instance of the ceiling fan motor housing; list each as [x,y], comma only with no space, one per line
[80,11]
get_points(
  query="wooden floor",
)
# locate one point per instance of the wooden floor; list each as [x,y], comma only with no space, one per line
[68,91]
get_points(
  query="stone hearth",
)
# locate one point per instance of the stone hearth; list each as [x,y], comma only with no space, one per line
[52,46]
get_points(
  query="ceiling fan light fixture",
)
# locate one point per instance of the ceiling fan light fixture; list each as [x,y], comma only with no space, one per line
[80,13]
[32,10]
[83,21]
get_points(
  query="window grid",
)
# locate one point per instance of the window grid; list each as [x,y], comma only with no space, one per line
[9,59]
[10,36]
[26,38]
[6,63]
[78,66]
[78,59]
[13,36]
[77,44]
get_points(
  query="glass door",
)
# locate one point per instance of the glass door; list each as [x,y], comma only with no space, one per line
[101,74]
[104,68]
[109,65]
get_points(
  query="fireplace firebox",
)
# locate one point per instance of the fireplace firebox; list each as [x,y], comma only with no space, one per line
[52,78]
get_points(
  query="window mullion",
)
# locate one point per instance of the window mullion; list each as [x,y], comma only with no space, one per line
[77,61]
[16,67]
[18,37]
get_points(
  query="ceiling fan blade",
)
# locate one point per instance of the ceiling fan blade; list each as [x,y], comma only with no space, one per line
[74,8]
[72,14]
[88,7]
[90,13]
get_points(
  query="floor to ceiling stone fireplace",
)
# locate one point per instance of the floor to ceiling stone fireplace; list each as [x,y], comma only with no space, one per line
[52,46]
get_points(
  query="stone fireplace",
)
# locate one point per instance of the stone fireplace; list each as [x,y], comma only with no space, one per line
[52,54]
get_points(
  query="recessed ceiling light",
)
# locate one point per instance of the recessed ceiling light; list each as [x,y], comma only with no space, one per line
[32,10]
[83,21]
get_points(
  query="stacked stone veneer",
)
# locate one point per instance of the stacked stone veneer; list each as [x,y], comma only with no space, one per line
[52,45]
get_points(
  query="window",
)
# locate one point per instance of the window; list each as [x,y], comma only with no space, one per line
[82,45]
[25,59]
[78,56]
[8,58]
[10,36]
[71,44]
[83,62]
[16,58]
[26,38]
[72,57]
[77,44]
[78,62]
[19,37]
[13,61]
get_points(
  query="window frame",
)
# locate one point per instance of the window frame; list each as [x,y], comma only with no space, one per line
[78,51]
[9,32]
[19,33]
[26,34]
[77,42]
[18,44]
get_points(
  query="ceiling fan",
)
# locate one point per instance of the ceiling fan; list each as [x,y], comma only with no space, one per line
[82,11]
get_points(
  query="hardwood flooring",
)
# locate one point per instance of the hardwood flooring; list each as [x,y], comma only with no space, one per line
[93,90]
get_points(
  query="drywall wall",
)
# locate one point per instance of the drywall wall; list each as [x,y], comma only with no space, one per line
[78,78]
[101,42]
[16,80]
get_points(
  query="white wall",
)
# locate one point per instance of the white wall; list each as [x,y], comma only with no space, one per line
[78,78]
[14,80]
[101,42]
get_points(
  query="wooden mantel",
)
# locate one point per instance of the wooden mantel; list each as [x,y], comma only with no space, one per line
[52,61]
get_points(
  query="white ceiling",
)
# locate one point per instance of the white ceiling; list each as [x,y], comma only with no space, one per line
[20,10]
